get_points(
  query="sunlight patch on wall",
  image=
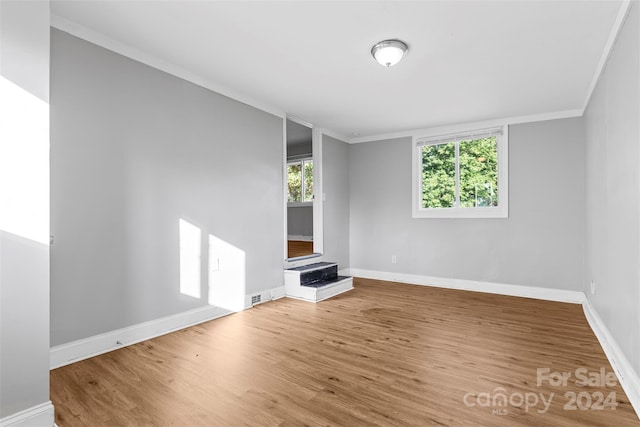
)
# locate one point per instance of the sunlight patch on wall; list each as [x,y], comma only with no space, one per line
[227,274]
[24,163]
[190,259]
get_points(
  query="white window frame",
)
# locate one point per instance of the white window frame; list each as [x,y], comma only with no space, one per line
[302,161]
[500,211]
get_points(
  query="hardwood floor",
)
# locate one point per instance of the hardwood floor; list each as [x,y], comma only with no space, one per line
[296,248]
[383,354]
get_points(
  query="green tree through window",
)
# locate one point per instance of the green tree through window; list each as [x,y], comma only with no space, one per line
[438,176]
[477,173]
[308,180]
[294,182]
[300,181]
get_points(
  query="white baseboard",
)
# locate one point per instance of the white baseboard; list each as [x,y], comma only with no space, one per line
[265,296]
[560,295]
[37,416]
[627,376]
[75,351]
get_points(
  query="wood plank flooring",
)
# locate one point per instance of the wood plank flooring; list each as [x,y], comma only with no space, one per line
[383,354]
[296,248]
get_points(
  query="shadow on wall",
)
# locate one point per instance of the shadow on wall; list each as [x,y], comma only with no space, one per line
[224,271]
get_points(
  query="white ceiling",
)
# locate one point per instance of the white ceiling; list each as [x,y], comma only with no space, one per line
[468,61]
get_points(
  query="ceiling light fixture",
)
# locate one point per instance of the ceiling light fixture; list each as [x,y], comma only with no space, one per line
[389,52]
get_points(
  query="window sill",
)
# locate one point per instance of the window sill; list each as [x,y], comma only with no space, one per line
[497,212]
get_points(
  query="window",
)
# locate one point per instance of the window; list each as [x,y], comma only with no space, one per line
[461,175]
[300,181]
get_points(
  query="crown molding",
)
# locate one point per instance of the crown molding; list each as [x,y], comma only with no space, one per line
[440,130]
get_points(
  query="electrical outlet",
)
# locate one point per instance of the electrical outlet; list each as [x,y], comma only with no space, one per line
[593,287]
[393,259]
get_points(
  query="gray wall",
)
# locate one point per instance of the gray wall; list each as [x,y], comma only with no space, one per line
[24,263]
[300,221]
[540,244]
[335,177]
[612,181]
[133,151]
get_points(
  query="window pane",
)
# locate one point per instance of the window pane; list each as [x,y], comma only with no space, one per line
[479,173]
[308,180]
[294,182]
[438,176]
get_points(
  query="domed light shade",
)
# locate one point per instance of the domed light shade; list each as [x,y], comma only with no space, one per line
[389,52]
